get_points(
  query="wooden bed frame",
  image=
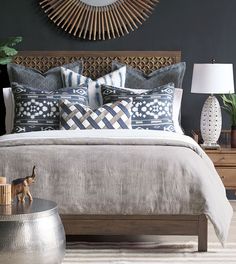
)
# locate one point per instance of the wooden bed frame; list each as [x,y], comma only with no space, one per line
[98,63]
[187,225]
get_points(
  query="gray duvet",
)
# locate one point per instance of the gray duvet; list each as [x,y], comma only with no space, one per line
[119,172]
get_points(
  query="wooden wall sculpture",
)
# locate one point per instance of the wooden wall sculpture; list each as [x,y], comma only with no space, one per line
[98,19]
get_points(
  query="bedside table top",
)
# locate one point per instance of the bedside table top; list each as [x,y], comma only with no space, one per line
[221,150]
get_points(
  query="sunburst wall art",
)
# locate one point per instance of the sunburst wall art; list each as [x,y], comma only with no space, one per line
[98,19]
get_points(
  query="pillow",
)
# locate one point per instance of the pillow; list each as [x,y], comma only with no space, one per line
[9,105]
[178,94]
[38,110]
[116,78]
[115,115]
[49,81]
[151,109]
[138,80]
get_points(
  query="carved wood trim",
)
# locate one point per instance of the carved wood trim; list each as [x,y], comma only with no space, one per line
[98,63]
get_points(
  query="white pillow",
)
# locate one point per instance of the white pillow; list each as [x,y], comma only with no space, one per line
[177,110]
[10,106]
[73,79]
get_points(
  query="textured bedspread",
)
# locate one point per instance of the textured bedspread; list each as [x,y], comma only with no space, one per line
[119,172]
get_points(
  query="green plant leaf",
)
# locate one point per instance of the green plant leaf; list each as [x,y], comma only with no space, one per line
[12,41]
[227,100]
[227,110]
[8,51]
[233,99]
[6,60]
[229,103]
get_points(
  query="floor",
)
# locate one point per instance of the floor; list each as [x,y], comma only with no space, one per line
[211,233]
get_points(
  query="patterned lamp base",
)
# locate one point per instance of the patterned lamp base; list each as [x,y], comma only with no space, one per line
[211,122]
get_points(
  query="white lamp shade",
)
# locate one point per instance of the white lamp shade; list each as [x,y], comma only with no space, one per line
[213,79]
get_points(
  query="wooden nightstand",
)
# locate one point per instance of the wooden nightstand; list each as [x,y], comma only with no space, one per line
[225,164]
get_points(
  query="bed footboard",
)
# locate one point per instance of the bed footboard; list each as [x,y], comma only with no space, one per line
[187,225]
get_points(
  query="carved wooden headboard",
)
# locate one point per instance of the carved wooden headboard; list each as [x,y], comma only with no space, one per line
[98,63]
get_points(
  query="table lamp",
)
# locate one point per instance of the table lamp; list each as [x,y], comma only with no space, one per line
[212,78]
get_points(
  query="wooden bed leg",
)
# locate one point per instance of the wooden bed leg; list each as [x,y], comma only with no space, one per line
[202,234]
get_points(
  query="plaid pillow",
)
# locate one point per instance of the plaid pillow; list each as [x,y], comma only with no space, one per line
[115,115]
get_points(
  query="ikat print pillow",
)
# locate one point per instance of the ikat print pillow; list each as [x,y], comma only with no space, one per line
[138,80]
[48,81]
[115,115]
[151,109]
[73,79]
[38,110]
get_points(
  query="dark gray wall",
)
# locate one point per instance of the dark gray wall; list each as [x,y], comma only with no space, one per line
[201,29]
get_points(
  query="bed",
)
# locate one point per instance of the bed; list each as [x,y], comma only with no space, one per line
[96,184]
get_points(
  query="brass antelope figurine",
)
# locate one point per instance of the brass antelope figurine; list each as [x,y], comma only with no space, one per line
[20,187]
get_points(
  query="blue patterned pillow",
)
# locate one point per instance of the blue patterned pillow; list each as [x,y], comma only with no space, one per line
[37,110]
[152,109]
[136,79]
[115,115]
[48,81]
[73,79]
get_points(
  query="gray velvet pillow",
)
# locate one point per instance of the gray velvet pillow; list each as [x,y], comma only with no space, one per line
[48,81]
[136,79]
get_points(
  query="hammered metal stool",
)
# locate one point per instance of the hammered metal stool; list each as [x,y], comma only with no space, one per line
[31,233]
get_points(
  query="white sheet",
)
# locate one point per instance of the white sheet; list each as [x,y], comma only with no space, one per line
[132,134]
[9,105]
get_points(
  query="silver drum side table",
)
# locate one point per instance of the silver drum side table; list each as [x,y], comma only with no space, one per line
[31,233]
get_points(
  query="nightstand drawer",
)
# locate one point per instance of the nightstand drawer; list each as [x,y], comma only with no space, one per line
[223,159]
[228,176]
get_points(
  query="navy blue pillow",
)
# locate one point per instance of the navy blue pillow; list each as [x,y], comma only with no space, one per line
[151,109]
[38,110]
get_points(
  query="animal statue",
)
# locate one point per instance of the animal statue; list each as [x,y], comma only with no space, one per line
[20,187]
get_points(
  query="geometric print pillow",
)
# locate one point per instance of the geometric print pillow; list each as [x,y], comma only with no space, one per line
[38,110]
[73,79]
[115,115]
[151,109]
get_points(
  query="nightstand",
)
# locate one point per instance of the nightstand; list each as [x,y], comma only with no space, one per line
[224,160]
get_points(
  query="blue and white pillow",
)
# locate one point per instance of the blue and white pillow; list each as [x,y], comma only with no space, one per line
[152,109]
[115,115]
[73,79]
[38,110]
